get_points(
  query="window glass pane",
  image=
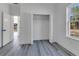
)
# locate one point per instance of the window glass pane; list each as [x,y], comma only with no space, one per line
[73,16]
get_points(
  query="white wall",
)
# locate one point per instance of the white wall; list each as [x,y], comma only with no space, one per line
[36,9]
[25,29]
[60,30]
[14,9]
[40,27]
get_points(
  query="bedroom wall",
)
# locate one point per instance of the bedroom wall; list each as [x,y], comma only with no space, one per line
[14,9]
[60,30]
[25,29]
[31,8]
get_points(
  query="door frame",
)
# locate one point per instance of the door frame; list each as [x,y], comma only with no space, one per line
[50,26]
[1,29]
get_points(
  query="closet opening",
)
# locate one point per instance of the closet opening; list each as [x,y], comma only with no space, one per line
[41,28]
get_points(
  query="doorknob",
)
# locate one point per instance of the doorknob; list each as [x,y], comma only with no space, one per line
[4,30]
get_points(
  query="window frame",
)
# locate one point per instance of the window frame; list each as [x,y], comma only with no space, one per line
[68,24]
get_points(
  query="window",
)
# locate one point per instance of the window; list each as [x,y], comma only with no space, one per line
[72,21]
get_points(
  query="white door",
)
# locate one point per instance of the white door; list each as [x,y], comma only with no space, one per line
[6,28]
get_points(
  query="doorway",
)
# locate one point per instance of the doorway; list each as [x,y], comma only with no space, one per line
[16,25]
[41,27]
[9,29]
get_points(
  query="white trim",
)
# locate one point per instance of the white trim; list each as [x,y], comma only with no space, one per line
[32,29]
[68,26]
[73,37]
[49,26]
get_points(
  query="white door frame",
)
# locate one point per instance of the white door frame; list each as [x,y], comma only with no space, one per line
[50,25]
[1,29]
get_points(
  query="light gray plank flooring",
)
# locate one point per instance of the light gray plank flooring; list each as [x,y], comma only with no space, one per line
[39,48]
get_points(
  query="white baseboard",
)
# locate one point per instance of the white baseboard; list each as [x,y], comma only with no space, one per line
[51,41]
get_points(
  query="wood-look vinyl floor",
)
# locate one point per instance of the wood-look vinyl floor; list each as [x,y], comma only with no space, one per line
[39,48]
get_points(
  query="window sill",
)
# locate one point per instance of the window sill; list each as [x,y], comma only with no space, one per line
[73,37]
